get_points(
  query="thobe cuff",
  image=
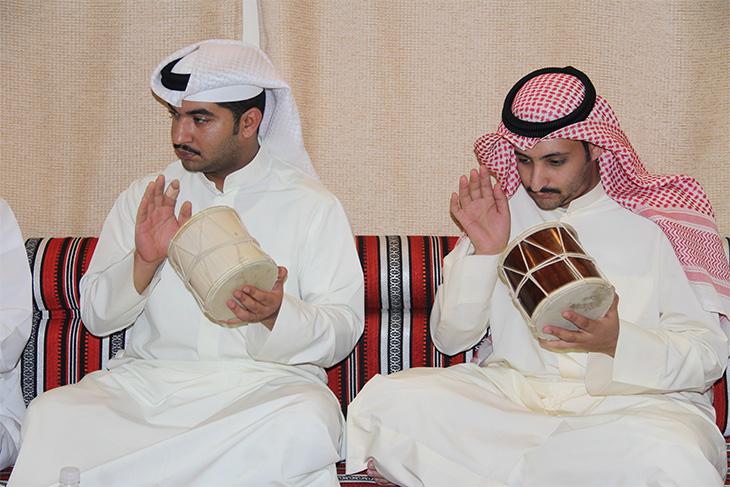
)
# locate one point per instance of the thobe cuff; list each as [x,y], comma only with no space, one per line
[473,279]
[639,359]
[290,339]
[122,277]
[118,298]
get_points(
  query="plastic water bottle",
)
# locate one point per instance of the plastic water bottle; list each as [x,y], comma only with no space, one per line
[69,477]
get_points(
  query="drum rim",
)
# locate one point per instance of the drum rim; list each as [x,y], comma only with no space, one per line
[602,282]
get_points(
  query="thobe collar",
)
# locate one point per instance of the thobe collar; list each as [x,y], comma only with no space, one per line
[249,175]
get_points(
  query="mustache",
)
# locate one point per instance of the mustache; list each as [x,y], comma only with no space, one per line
[545,190]
[186,148]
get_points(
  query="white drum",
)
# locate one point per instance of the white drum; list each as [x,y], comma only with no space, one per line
[214,255]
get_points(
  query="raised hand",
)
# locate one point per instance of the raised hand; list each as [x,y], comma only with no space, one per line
[599,335]
[256,305]
[154,228]
[482,211]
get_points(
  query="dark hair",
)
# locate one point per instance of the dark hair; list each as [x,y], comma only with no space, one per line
[238,108]
[587,149]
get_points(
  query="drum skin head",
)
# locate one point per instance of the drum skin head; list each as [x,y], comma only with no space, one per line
[261,274]
[588,297]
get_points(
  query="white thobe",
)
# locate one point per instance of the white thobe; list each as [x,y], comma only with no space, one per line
[529,416]
[16,318]
[189,402]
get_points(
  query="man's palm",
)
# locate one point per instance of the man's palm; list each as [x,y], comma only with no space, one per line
[482,212]
[156,221]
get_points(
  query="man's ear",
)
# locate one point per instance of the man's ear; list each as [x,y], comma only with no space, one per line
[594,151]
[249,122]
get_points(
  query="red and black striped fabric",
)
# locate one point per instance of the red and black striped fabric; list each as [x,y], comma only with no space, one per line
[401,276]
[60,350]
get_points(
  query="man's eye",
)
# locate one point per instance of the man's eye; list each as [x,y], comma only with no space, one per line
[200,120]
[523,161]
[557,162]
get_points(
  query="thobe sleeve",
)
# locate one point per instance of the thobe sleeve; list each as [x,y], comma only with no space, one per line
[109,300]
[16,310]
[687,351]
[460,315]
[323,322]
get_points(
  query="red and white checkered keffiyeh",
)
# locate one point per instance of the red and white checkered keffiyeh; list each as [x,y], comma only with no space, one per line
[677,203]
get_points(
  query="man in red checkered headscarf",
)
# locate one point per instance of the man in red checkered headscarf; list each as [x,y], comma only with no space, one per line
[614,399]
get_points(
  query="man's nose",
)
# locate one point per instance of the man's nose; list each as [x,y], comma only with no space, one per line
[180,130]
[538,178]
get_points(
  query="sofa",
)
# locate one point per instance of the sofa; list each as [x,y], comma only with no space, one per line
[401,276]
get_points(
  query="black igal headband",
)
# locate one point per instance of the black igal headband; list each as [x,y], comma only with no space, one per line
[541,129]
[173,81]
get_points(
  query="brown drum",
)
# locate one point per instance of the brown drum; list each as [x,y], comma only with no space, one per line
[548,272]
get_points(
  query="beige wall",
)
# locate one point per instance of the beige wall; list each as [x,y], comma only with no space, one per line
[392,93]
[79,123]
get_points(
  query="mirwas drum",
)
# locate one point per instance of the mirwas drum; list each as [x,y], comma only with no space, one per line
[214,255]
[548,272]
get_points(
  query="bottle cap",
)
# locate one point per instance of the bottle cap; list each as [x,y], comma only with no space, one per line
[69,475]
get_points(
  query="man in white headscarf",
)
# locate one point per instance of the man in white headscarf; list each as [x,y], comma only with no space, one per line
[16,313]
[190,402]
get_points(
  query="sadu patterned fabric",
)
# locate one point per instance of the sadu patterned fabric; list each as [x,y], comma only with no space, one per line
[60,350]
[677,203]
[401,276]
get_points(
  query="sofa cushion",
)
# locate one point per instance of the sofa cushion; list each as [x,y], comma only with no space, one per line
[60,350]
[401,276]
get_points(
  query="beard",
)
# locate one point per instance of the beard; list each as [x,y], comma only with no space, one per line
[224,160]
[547,198]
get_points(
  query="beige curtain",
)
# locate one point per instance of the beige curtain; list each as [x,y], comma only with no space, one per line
[394,92]
[79,122]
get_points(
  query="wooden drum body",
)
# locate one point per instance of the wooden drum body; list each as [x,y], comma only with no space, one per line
[548,272]
[214,255]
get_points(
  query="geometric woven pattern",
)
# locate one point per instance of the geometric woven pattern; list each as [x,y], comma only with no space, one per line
[60,350]
[401,276]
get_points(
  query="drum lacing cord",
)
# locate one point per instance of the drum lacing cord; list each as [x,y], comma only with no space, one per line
[562,257]
[214,248]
